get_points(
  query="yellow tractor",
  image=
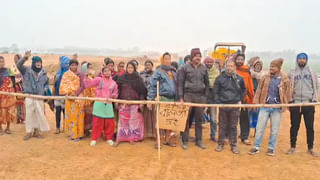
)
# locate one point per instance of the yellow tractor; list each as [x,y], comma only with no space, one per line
[225,50]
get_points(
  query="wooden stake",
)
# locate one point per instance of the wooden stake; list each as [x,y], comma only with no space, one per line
[157,116]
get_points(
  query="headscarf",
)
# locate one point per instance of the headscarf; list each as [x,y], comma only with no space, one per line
[251,64]
[135,62]
[208,60]
[84,68]
[162,66]
[277,62]
[64,67]
[36,59]
[133,80]
[302,55]
[194,52]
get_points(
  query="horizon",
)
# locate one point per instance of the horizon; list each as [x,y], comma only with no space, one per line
[161,26]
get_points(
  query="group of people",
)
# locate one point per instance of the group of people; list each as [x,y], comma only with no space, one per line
[191,80]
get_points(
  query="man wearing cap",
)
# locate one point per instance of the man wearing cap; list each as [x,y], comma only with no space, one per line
[35,81]
[213,72]
[305,87]
[193,86]
[273,88]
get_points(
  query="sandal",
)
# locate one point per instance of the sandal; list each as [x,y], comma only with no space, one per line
[27,137]
[7,131]
[39,136]
[170,144]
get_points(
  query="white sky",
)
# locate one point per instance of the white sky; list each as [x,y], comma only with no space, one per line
[163,25]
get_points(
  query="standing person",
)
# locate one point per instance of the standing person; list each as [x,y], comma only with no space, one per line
[75,56]
[59,103]
[103,115]
[72,85]
[193,86]
[255,66]
[35,81]
[244,72]
[21,109]
[166,76]
[187,59]
[120,68]
[305,87]
[213,73]
[180,63]
[175,65]
[273,88]
[229,88]
[7,103]
[110,64]
[86,69]
[120,71]
[130,124]
[148,113]
[147,73]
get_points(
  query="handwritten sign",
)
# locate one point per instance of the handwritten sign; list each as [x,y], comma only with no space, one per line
[173,117]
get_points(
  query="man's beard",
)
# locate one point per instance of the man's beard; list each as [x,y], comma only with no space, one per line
[302,65]
[239,64]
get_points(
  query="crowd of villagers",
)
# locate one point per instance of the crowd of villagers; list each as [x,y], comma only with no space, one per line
[191,79]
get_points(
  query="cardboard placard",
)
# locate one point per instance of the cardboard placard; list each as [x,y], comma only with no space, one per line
[173,117]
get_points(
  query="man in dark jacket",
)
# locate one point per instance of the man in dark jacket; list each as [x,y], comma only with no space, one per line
[229,88]
[193,86]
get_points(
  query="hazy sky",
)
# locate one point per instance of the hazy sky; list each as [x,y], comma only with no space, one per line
[161,25]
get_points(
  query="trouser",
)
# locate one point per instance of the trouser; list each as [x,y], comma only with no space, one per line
[274,114]
[100,125]
[308,116]
[228,121]
[59,109]
[35,118]
[198,113]
[244,124]
[213,122]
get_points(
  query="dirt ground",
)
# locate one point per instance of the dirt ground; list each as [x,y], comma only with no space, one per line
[56,157]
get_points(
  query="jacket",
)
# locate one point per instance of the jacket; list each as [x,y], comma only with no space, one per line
[228,89]
[167,86]
[193,80]
[285,89]
[33,83]
[105,88]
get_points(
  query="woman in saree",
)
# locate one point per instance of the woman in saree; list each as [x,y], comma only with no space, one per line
[72,85]
[130,124]
[7,103]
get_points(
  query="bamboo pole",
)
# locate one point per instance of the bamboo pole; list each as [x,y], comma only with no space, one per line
[157,116]
[156,102]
